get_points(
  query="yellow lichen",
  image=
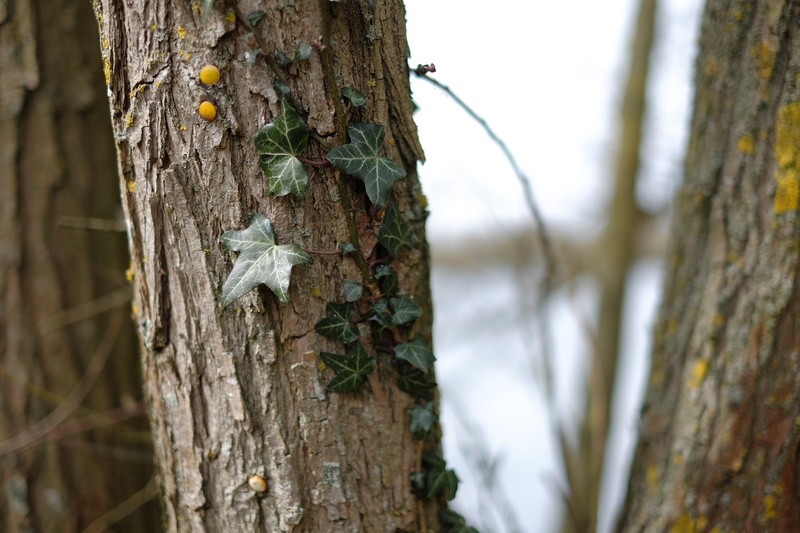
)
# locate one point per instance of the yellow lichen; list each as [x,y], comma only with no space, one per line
[196,7]
[315,292]
[764,54]
[770,508]
[107,71]
[154,26]
[131,186]
[135,310]
[106,43]
[129,119]
[746,144]
[711,67]
[699,371]
[181,32]
[230,15]
[686,524]
[787,154]
[130,274]
[182,127]
[653,477]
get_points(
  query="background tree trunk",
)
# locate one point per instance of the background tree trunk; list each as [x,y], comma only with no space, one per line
[720,433]
[239,391]
[63,295]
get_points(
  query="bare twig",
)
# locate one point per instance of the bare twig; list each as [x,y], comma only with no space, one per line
[92,223]
[38,431]
[88,309]
[125,508]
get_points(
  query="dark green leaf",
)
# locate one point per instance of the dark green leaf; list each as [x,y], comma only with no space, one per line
[279,143]
[417,483]
[260,261]
[282,59]
[455,522]
[352,290]
[346,247]
[387,279]
[394,233]
[255,17]
[360,159]
[405,310]
[351,369]
[379,314]
[281,88]
[413,381]
[303,52]
[422,419]
[416,353]
[356,97]
[336,325]
[439,480]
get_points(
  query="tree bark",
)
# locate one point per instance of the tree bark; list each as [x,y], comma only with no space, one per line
[239,391]
[63,294]
[720,431]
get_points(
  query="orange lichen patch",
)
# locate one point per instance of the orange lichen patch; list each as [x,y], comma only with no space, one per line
[699,371]
[764,54]
[131,186]
[209,75]
[746,144]
[207,111]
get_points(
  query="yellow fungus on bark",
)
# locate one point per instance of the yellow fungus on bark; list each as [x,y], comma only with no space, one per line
[207,111]
[209,75]
[257,483]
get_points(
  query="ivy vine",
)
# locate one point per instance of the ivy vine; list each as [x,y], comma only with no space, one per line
[388,312]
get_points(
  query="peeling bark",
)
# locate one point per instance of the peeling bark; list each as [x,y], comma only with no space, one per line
[237,392]
[720,433]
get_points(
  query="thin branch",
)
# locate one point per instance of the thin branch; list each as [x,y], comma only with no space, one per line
[39,430]
[125,508]
[87,310]
[92,223]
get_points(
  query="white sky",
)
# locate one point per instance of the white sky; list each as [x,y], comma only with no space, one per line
[547,76]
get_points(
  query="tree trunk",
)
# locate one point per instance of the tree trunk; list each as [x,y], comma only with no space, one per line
[63,295]
[720,433]
[240,391]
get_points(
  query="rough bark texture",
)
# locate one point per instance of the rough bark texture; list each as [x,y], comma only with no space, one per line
[239,391]
[59,280]
[720,434]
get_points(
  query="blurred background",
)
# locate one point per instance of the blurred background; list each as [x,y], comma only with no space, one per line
[549,78]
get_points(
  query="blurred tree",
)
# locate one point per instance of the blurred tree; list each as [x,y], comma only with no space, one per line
[720,430]
[239,391]
[63,295]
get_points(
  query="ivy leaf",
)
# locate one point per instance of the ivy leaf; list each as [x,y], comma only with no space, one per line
[303,52]
[413,381]
[351,369]
[455,522]
[394,233]
[346,247]
[260,261]
[336,325]
[416,353]
[387,279]
[417,480]
[355,96]
[280,142]
[440,479]
[405,310]
[352,290]
[379,314]
[422,419]
[360,158]
[255,17]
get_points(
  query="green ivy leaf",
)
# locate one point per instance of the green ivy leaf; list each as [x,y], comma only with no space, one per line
[355,96]
[387,279]
[346,247]
[260,261]
[416,353]
[303,52]
[379,314]
[351,369]
[279,143]
[360,158]
[417,480]
[282,59]
[352,290]
[405,309]
[455,522]
[413,381]
[439,477]
[422,419]
[336,325]
[255,17]
[394,233]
